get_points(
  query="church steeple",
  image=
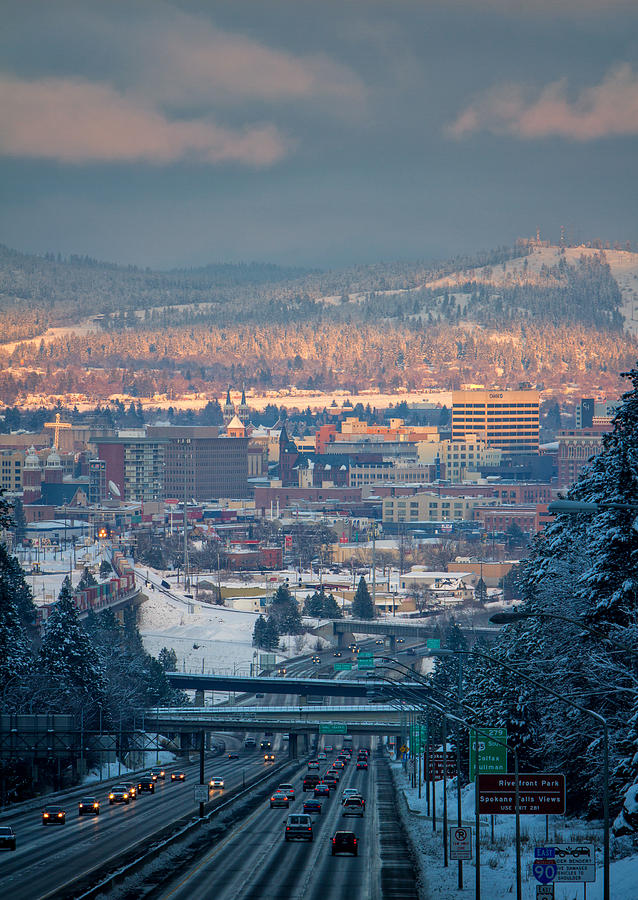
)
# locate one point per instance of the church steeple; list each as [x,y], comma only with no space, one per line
[243,412]
[228,409]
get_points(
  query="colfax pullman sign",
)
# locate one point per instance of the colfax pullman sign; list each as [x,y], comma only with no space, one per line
[539,793]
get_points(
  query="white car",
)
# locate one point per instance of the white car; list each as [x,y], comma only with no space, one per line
[288,790]
[349,792]
[215,783]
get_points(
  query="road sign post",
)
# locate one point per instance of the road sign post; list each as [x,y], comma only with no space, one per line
[460,842]
[575,862]
[333,728]
[541,793]
[491,754]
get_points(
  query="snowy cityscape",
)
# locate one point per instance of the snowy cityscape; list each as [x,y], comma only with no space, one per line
[318,450]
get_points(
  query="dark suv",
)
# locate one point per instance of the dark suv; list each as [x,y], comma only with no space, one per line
[344,842]
[146,783]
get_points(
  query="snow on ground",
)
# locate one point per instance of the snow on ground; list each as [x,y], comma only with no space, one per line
[209,638]
[498,859]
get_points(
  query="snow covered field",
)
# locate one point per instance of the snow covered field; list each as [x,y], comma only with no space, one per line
[209,638]
[498,859]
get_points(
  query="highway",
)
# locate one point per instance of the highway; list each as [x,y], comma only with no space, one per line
[48,857]
[254,862]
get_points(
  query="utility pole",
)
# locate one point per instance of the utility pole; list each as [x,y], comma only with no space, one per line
[374,569]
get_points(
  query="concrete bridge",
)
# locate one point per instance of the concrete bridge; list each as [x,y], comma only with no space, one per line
[344,629]
[302,687]
[379,719]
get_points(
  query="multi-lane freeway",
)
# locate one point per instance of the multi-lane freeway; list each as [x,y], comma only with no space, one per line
[254,861]
[251,861]
[48,857]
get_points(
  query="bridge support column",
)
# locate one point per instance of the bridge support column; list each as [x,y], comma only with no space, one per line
[292,745]
[393,643]
[199,698]
[341,642]
[398,743]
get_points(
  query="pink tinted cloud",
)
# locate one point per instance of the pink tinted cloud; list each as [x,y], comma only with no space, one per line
[185,58]
[609,109]
[78,121]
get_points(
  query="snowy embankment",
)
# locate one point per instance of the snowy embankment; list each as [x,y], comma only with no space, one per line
[205,637]
[498,858]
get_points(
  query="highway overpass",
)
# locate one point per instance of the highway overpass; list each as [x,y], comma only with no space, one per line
[302,687]
[391,630]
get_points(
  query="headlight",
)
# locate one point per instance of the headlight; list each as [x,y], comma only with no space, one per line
[95,805]
[111,796]
[60,815]
[45,815]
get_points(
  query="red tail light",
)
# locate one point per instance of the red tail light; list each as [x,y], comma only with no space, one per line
[334,840]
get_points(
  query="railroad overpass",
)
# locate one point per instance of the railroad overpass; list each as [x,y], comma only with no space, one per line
[187,722]
[342,628]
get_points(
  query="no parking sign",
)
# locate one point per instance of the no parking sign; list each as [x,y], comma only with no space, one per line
[460,843]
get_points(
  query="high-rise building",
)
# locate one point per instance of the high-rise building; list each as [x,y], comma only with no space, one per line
[507,420]
[135,463]
[97,481]
[201,465]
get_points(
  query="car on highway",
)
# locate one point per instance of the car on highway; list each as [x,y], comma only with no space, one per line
[400,640]
[349,792]
[337,653]
[265,745]
[131,788]
[338,764]
[344,842]
[53,815]
[298,828]
[316,659]
[328,748]
[288,790]
[119,794]
[216,783]
[279,798]
[353,806]
[310,781]
[147,784]
[362,764]
[158,773]
[313,807]
[89,806]
[178,776]
[151,774]
[269,757]
[379,642]
[322,789]
[233,755]
[7,838]
[322,757]
[313,764]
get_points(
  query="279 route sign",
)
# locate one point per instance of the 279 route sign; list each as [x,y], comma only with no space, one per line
[539,793]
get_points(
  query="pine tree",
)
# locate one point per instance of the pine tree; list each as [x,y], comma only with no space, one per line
[167,659]
[313,605]
[12,575]
[331,609]
[16,658]
[68,660]
[259,633]
[362,606]
[284,611]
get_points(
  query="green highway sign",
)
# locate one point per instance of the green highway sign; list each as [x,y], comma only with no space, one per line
[342,667]
[365,664]
[333,728]
[492,756]
[433,643]
[365,654]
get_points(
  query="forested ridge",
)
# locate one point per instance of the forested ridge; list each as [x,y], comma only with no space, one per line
[385,326]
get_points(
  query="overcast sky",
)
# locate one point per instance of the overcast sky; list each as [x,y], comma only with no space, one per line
[314,132]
